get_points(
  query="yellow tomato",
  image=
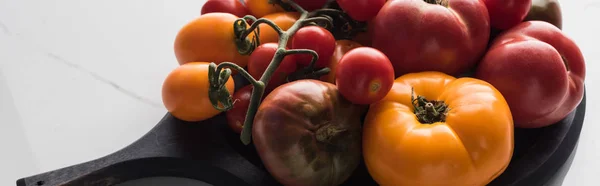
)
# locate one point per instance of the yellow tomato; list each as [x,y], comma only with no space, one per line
[470,143]
[284,20]
[260,8]
[185,92]
[210,38]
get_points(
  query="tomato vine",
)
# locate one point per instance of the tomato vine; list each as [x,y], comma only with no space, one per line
[220,97]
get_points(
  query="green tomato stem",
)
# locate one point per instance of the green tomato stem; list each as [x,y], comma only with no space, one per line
[218,92]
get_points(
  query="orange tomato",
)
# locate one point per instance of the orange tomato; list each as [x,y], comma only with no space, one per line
[471,144]
[284,20]
[341,48]
[185,92]
[260,8]
[209,38]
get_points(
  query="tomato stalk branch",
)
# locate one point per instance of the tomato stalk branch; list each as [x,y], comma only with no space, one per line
[218,74]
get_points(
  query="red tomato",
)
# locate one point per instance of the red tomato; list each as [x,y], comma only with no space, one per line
[341,48]
[261,58]
[447,36]
[234,7]
[505,14]
[361,10]
[315,38]
[539,70]
[364,75]
[237,115]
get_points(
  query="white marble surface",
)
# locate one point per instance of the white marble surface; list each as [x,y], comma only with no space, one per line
[80,79]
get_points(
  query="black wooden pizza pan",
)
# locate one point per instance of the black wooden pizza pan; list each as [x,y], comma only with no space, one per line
[210,152]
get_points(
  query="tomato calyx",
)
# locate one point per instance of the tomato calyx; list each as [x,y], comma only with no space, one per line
[244,45]
[429,112]
[438,2]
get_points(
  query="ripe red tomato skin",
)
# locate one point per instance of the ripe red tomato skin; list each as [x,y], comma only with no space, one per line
[525,65]
[315,38]
[341,47]
[237,115]
[361,10]
[417,36]
[261,58]
[234,7]
[505,14]
[359,70]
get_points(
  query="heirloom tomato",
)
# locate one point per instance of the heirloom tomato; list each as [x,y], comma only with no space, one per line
[284,20]
[261,58]
[260,8]
[234,7]
[361,10]
[364,75]
[185,92]
[505,14]
[237,115]
[546,10]
[449,36]
[315,38]
[306,133]
[539,70]
[341,48]
[434,129]
[209,38]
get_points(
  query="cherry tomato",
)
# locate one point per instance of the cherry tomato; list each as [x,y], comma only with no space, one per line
[341,48]
[261,58]
[185,92]
[505,14]
[234,7]
[260,8]
[284,20]
[361,10]
[237,115]
[315,38]
[364,75]
[209,38]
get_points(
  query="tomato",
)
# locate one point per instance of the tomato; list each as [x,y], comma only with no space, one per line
[185,92]
[341,48]
[364,75]
[546,10]
[234,7]
[315,38]
[209,38]
[539,70]
[307,134]
[361,10]
[505,14]
[284,20]
[260,8]
[237,115]
[261,58]
[418,36]
[469,142]
[364,38]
